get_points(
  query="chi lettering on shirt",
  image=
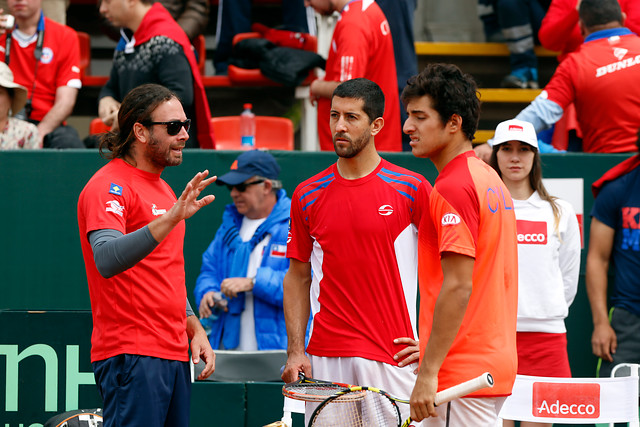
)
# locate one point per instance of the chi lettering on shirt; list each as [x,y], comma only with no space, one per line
[361,240]
[471,213]
[143,309]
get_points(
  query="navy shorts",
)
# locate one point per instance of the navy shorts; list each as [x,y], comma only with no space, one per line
[143,391]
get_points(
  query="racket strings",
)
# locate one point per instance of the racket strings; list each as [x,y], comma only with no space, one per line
[369,409]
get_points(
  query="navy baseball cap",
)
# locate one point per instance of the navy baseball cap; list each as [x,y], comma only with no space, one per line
[249,164]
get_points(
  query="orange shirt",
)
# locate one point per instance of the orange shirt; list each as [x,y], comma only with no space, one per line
[471,213]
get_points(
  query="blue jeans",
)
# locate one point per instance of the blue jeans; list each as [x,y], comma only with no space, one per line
[519,21]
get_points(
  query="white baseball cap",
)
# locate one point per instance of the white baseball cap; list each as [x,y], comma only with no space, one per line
[515,130]
[19,92]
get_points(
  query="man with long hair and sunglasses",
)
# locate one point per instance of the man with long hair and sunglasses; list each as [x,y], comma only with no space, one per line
[132,236]
[239,290]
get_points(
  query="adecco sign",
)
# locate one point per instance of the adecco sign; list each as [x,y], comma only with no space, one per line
[552,400]
[572,400]
[44,366]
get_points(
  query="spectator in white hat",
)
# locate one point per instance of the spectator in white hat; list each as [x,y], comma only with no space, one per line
[14,133]
[548,254]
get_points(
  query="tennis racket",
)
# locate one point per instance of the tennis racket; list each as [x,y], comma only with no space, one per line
[311,389]
[369,406]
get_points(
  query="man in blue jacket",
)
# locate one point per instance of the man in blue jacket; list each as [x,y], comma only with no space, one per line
[239,289]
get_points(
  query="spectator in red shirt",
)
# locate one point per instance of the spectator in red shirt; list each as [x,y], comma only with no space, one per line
[361,46]
[44,57]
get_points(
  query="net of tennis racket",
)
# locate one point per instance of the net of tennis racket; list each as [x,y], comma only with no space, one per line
[363,406]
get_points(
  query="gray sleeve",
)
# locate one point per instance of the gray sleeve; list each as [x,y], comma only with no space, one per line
[189,309]
[114,252]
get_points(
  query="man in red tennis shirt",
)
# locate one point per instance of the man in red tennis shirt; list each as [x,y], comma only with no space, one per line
[467,256]
[132,236]
[600,79]
[354,225]
[361,46]
[45,58]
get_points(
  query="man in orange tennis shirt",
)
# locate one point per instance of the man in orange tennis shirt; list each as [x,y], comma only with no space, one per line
[467,256]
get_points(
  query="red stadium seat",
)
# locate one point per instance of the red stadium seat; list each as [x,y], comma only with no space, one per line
[97,126]
[85,52]
[254,77]
[274,133]
[85,62]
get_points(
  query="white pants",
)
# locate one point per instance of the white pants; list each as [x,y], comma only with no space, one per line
[397,381]
[471,411]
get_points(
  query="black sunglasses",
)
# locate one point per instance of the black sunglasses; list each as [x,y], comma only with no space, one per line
[173,127]
[242,187]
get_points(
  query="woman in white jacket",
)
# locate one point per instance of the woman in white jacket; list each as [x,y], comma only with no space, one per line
[548,254]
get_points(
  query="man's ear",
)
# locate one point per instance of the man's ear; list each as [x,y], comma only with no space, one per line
[583,28]
[141,132]
[455,123]
[377,125]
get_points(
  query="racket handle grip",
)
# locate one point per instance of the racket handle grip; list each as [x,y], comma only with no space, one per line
[462,389]
[286,418]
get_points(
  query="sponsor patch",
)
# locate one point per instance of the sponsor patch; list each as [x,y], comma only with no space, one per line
[47,55]
[450,219]
[385,210]
[384,28]
[115,207]
[115,189]
[156,211]
[531,232]
[620,53]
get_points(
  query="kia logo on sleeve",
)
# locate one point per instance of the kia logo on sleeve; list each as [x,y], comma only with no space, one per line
[450,219]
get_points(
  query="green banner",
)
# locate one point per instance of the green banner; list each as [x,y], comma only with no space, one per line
[44,366]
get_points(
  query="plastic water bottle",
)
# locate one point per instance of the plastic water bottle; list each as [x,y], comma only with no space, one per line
[219,306]
[208,322]
[248,127]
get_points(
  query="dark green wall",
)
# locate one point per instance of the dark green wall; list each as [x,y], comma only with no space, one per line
[40,257]
[45,370]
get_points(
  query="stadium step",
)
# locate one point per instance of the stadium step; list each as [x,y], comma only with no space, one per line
[488,63]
